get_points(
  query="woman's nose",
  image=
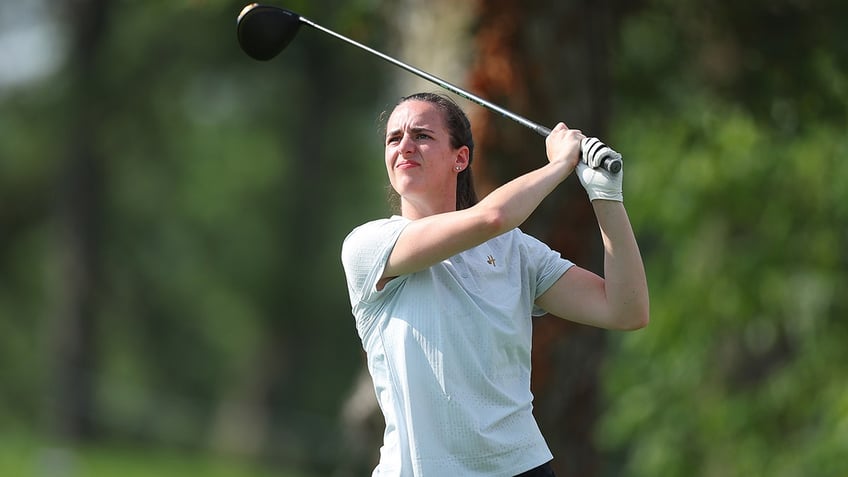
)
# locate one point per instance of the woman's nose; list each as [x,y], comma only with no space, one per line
[407,145]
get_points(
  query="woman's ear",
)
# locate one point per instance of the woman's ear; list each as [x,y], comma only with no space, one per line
[461,162]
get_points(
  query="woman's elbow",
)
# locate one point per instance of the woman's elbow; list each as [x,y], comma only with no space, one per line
[493,221]
[638,323]
[636,320]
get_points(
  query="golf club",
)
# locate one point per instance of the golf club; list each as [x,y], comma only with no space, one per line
[264,31]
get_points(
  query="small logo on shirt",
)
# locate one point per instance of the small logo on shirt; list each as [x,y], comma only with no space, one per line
[490,260]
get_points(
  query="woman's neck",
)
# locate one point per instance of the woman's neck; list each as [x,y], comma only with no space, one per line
[414,210]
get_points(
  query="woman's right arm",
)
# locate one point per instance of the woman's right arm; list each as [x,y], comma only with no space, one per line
[429,240]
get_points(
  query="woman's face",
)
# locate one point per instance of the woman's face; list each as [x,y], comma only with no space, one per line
[419,158]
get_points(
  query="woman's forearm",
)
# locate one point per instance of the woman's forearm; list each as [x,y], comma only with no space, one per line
[624,273]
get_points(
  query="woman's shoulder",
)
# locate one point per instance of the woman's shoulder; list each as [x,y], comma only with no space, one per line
[514,237]
[373,235]
[518,241]
[379,224]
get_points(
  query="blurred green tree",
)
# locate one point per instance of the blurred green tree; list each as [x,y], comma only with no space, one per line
[734,117]
[201,198]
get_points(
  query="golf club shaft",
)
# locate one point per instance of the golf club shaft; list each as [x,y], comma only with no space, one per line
[610,164]
[542,130]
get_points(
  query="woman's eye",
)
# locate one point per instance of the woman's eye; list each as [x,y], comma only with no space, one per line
[423,136]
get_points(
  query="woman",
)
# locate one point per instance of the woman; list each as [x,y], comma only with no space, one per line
[443,295]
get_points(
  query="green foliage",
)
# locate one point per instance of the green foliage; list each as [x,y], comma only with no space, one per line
[738,194]
[740,231]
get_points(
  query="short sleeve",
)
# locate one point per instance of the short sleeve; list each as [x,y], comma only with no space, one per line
[549,266]
[364,254]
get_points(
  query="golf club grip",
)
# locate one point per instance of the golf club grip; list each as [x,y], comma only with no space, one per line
[609,164]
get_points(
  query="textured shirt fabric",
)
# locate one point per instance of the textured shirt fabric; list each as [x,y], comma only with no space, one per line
[448,349]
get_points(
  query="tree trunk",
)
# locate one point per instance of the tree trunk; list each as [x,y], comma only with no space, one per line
[80,192]
[549,59]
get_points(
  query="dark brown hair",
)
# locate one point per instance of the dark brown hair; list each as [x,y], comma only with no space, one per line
[459,129]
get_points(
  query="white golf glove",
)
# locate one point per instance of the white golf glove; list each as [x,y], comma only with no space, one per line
[598,182]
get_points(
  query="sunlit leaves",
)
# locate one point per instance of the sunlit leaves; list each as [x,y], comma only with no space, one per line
[743,232]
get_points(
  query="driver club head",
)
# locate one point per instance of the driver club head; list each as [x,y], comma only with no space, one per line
[264,31]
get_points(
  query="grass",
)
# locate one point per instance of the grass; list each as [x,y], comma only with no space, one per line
[27,458]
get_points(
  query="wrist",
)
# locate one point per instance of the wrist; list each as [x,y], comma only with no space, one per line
[606,196]
[560,169]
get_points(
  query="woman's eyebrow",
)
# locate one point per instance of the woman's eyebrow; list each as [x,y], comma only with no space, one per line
[421,129]
[414,130]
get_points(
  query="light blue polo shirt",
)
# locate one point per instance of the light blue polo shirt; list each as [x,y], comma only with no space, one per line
[449,352]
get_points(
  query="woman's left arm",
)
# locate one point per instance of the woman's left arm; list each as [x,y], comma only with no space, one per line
[620,299]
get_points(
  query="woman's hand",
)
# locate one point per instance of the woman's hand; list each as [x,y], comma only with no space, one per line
[563,145]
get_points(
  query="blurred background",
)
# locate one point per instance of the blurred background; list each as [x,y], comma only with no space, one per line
[171,215]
